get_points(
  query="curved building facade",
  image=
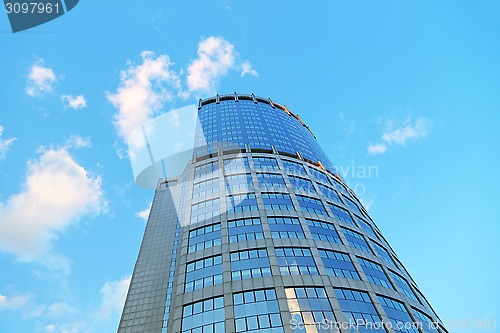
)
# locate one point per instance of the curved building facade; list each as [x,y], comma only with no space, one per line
[259,234]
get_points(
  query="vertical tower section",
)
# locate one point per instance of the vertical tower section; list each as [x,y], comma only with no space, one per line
[144,308]
[260,234]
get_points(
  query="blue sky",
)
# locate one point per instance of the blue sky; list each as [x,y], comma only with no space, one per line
[408,88]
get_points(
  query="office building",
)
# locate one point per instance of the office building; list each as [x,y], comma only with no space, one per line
[260,234]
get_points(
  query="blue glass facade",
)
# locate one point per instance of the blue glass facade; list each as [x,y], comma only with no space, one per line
[255,122]
[309,308]
[357,307]
[266,238]
[257,311]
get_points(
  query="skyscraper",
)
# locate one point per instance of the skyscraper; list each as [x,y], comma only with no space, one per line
[260,234]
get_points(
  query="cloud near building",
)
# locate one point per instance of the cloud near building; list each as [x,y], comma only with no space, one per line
[400,135]
[145,88]
[57,192]
[41,79]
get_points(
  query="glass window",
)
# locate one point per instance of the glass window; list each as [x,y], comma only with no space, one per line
[341,214]
[204,210]
[366,226]
[206,187]
[323,231]
[294,167]
[239,182]
[236,164]
[204,237]
[250,264]
[338,264]
[302,184]
[319,175]
[244,230]
[427,305]
[356,240]
[206,169]
[296,261]
[404,287]
[241,203]
[357,307]
[277,201]
[265,163]
[270,181]
[399,317]
[375,273]
[338,186]
[257,311]
[204,316]
[352,205]
[384,255]
[285,227]
[329,193]
[204,272]
[428,325]
[310,309]
[311,205]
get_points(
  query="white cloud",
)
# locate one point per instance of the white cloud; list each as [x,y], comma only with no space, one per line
[113,298]
[4,144]
[13,303]
[216,56]
[246,68]
[146,87]
[400,135]
[50,328]
[58,310]
[122,153]
[76,141]
[144,214]
[22,304]
[71,327]
[41,79]
[74,102]
[142,91]
[57,193]
[367,203]
[379,148]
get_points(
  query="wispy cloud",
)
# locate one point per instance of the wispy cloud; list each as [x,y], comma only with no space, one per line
[246,68]
[70,327]
[113,298]
[62,317]
[144,214]
[13,303]
[216,56]
[378,148]
[146,87]
[50,328]
[5,144]
[347,123]
[74,102]
[22,303]
[41,79]
[367,203]
[60,309]
[76,141]
[142,91]
[57,193]
[400,135]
